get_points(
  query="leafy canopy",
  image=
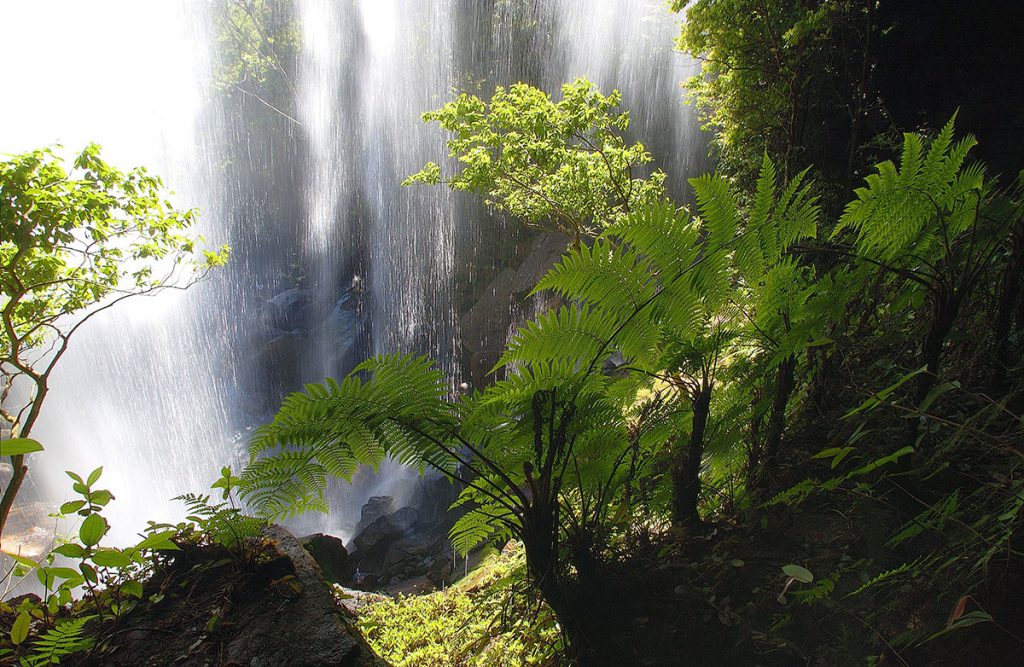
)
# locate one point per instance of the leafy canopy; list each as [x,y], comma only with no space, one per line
[755,60]
[73,242]
[72,238]
[562,166]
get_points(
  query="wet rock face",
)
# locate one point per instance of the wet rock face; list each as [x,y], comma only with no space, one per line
[375,508]
[375,539]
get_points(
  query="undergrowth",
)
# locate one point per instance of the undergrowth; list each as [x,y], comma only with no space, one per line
[489,619]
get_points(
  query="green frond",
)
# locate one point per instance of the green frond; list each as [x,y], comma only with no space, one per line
[718,206]
[902,213]
[572,333]
[664,235]
[64,639]
[400,410]
[617,279]
[764,196]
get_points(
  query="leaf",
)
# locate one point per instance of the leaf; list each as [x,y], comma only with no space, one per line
[19,446]
[132,588]
[72,506]
[22,560]
[94,476]
[92,530]
[161,540]
[958,609]
[965,621]
[19,631]
[70,550]
[801,574]
[111,558]
[101,497]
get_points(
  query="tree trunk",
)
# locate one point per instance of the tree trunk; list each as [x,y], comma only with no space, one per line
[784,383]
[7,502]
[944,314]
[686,472]
[1009,300]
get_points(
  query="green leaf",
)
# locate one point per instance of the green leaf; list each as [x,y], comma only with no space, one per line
[19,631]
[801,574]
[101,497]
[89,572]
[94,475]
[71,550]
[161,540]
[19,446]
[111,558]
[92,530]
[21,560]
[132,588]
[72,506]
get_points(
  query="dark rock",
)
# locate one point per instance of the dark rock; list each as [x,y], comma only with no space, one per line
[315,633]
[329,553]
[276,611]
[377,537]
[375,508]
[288,311]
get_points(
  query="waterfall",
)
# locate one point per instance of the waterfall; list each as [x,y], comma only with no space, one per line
[333,260]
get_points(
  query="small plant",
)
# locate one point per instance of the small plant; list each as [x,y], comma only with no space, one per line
[222,523]
[488,619]
[112,576]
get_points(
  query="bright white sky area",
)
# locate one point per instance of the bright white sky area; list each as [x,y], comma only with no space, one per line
[118,72]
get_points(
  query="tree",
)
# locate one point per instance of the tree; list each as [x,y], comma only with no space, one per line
[561,166]
[790,79]
[934,224]
[72,244]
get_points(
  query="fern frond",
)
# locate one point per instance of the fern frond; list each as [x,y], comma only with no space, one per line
[664,235]
[572,333]
[617,279]
[718,206]
[64,639]
[400,410]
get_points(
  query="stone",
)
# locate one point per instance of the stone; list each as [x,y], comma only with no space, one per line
[288,310]
[375,508]
[276,611]
[329,553]
[375,538]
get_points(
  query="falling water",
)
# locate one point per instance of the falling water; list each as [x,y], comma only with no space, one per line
[333,259]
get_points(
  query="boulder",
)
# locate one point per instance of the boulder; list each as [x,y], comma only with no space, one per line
[288,310]
[375,508]
[378,536]
[276,610]
[329,553]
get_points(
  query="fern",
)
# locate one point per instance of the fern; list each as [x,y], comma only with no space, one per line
[908,213]
[64,639]
[224,525]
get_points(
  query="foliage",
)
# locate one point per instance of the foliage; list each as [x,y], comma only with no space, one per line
[257,39]
[791,79]
[220,523]
[112,576]
[563,166]
[691,340]
[75,242]
[754,57]
[489,619]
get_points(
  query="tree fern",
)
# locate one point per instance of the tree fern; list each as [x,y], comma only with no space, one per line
[327,431]
[908,212]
